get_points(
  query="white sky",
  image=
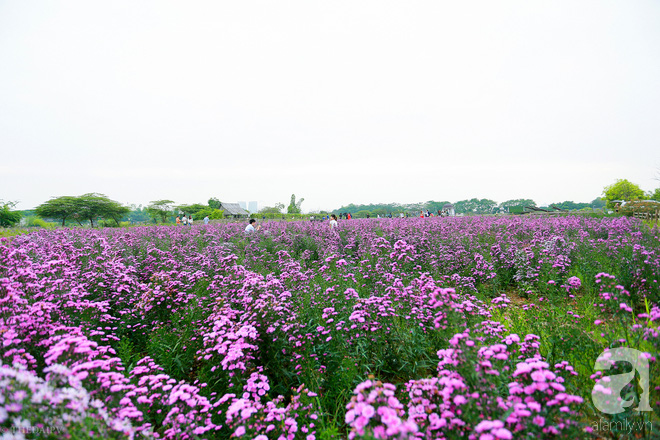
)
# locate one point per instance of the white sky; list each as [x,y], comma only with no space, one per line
[336,101]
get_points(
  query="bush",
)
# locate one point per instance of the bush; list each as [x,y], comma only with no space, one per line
[36,222]
[640,206]
[214,214]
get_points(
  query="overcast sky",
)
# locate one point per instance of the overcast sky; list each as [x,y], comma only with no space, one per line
[336,101]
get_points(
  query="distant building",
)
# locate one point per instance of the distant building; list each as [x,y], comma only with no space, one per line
[243,205]
[448,209]
[252,207]
[234,210]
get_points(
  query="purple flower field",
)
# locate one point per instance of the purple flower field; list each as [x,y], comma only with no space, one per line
[472,328]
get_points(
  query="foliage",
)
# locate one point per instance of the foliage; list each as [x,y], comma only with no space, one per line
[384,209]
[138,214]
[36,222]
[87,207]
[517,202]
[475,206]
[430,206]
[622,190]
[571,206]
[160,210]
[213,214]
[62,208]
[654,195]
[598,203]
[8,217]
[94,205]
[640,206]
[191,209]
[277,209]
[214,203]
[294,206]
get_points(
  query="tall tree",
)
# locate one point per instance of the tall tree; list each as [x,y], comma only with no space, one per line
[92,206]
[60,208]
[294,206]
[621,190]
[7,216]
[89,207]
[160,209]
[214,203]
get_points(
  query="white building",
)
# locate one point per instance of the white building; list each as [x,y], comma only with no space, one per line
[252,207]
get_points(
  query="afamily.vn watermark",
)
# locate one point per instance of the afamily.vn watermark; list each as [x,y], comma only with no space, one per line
[623,427]
[31,430]
[606,394]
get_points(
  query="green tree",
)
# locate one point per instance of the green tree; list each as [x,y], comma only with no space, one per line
[598,203]
[433,206]
[192,209]
[654,195]
[518,202]
[214,214]
[475,206]
[89,207]
[60,208]
[277,209]
[138,214]
[294,206]
[7,216]
[214,203]
[570,205]
[160,209]
[92,206]
[622,189]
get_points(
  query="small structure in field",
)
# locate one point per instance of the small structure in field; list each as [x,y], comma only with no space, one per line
[233,210]
[448,210]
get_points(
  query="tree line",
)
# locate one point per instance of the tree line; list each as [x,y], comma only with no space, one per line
[472,206]
[93,207]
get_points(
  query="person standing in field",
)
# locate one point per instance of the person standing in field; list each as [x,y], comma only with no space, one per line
[178,221]
[190,220]
[185,220]
[206,220]
[333,222]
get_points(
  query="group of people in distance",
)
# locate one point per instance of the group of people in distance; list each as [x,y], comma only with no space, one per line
[189,220]
[250,228]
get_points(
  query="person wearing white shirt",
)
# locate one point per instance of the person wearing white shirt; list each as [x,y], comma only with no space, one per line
[333,222]
[249,229]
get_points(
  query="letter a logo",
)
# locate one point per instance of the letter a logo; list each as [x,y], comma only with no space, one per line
[606,394]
